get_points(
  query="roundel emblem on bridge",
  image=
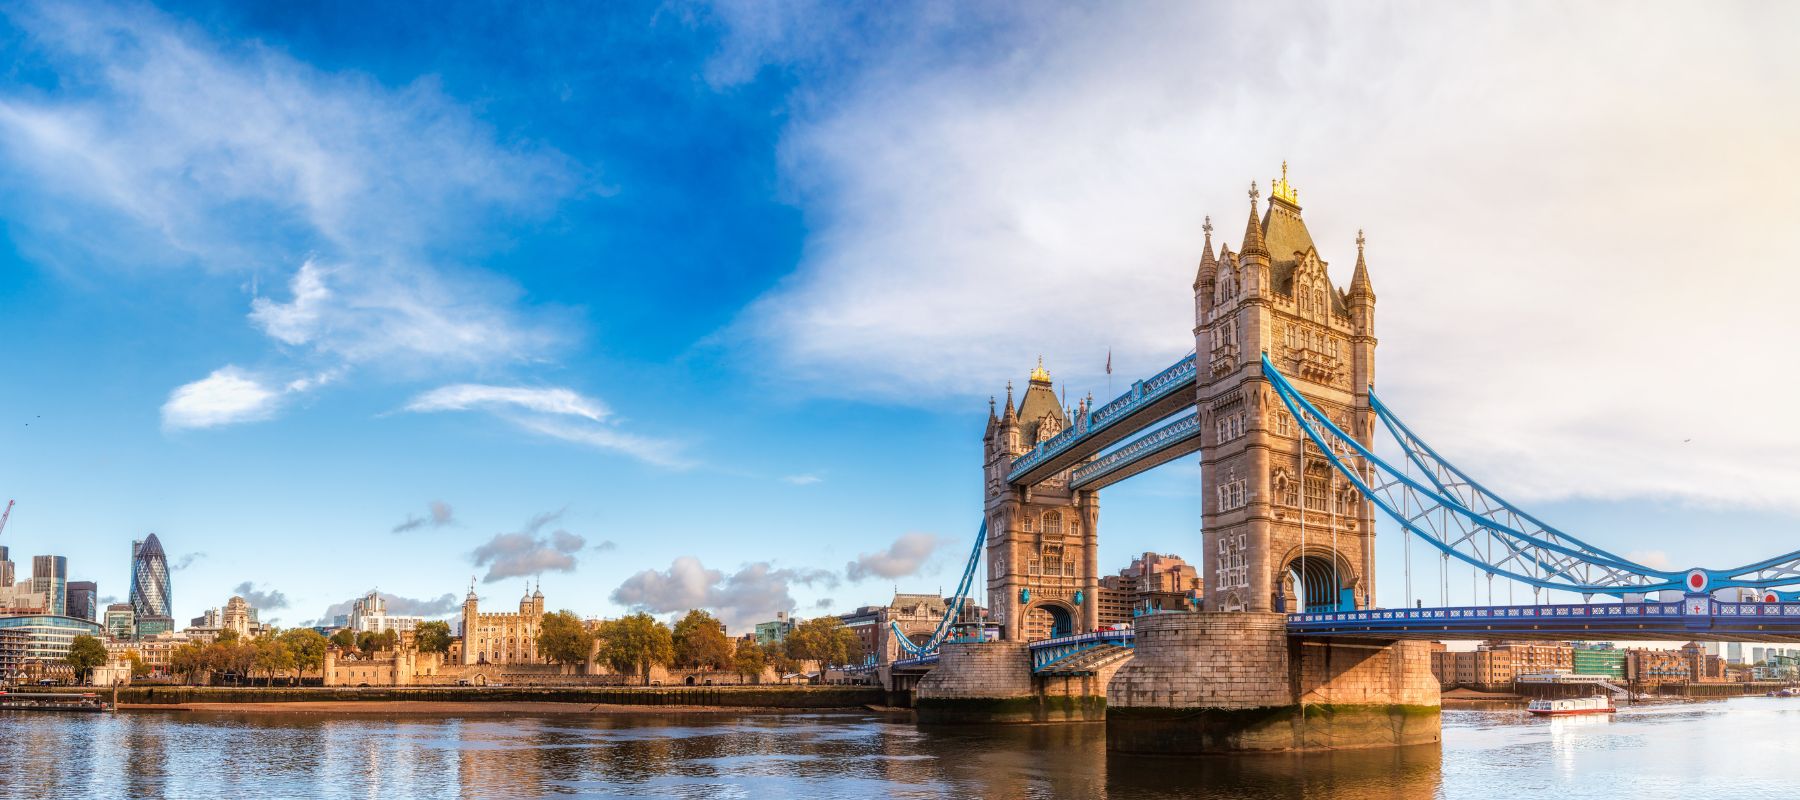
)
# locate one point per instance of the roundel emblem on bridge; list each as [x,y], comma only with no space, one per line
[1771,597]
[1696,580]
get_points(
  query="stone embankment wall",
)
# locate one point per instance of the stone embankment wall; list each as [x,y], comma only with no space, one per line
[1233,681]
[812,697]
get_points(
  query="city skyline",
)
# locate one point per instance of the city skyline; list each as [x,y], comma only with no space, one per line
[711,318]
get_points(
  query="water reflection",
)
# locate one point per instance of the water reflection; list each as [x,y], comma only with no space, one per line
[1650,751]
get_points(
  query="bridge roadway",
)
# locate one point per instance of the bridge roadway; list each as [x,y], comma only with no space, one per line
[1710,620]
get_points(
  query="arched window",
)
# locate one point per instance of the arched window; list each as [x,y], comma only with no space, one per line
[1319,303]
[1053,522]
[1286,488]
[1318,486]
[1346,500]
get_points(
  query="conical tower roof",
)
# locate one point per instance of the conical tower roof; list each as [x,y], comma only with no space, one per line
[1253,235]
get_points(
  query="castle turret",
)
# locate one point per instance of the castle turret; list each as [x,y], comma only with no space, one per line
[471,613]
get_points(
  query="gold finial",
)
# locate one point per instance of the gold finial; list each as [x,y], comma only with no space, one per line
[1282,190]
[1359,241]
[1039,373]
[1254,194]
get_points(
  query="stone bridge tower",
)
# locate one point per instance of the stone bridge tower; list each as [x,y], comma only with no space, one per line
[1282,529]
[1042,559]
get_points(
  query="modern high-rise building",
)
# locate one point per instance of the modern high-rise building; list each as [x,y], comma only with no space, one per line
[1734,652]
[121,622]
[83,600]
[150,589]
[50,576]
[6,567]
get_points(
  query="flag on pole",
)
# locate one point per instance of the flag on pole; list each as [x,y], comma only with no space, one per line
[1109,361]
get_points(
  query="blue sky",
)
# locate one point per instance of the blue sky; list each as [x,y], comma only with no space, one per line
[682,304]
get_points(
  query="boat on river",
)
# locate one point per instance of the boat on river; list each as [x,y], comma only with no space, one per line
[1572,706]
[52,701]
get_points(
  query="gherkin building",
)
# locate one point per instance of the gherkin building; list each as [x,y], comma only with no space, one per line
[150,580]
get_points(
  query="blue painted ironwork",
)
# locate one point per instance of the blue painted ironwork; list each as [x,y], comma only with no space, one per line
[1699,617]
[1463,520]
[951,610]
[1047,653]
[1183,429]
[1141,393]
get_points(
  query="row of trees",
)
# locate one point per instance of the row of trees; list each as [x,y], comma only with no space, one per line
[632,645]
[629,645]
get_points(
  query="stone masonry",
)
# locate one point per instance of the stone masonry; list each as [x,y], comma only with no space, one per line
[1233,681]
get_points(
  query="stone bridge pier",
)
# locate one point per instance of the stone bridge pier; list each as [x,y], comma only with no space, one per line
[1217,682]
[992,682]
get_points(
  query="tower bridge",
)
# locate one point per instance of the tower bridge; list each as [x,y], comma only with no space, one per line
[1286,650]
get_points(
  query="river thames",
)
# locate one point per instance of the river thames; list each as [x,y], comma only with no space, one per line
[1742,748]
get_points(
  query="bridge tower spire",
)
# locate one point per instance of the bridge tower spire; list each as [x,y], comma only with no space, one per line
[1042,554]
[1282,528]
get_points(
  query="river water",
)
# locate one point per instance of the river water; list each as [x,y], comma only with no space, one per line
[1742,748]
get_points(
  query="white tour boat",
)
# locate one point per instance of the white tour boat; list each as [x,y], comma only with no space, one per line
[1578,705]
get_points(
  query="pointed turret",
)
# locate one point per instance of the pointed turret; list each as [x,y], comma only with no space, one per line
[1209,266]
[1359,280]
[1253,236]
[1012,414]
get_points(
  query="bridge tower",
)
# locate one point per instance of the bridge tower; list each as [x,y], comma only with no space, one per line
[1281,527]
[1042,552]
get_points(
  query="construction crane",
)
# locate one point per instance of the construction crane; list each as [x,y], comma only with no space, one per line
[3,517]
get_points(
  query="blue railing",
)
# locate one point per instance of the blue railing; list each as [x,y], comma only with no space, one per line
[1141,393]
[1048,652]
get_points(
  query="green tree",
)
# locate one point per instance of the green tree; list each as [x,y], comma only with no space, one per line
[700,642]
[85,653]
[433,636]
[226,636]
[369,641]
[635,644]
[344,639]
[272,655]
[308,647]
[825,640]
[188,661]
[564,639]
[775,654]
[749,661]
[139,667]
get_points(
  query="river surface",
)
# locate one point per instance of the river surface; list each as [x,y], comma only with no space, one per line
[1742,748]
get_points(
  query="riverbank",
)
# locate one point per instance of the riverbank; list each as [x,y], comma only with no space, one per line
[428,708]
[500,700]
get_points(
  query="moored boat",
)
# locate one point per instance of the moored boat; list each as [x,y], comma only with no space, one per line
[52,701]
[1577,705]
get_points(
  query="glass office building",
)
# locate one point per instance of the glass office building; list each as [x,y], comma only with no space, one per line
[150,595]
[50,576]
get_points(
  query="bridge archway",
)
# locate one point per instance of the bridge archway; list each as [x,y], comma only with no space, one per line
[1317,580]
[1048,619]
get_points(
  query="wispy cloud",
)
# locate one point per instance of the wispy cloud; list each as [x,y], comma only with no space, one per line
[750,595]
[902,558]
[1058,186]
[187,560]
[440,514]
[268,600]
[528,551]
[555,412]
[807,479]
[169,150]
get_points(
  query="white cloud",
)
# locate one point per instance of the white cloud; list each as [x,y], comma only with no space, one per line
[529,552]
[752,594]
[555,412]
[1572,225]
[466,396]
[807,479]
[226,397]
[904,557]
[169,151]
